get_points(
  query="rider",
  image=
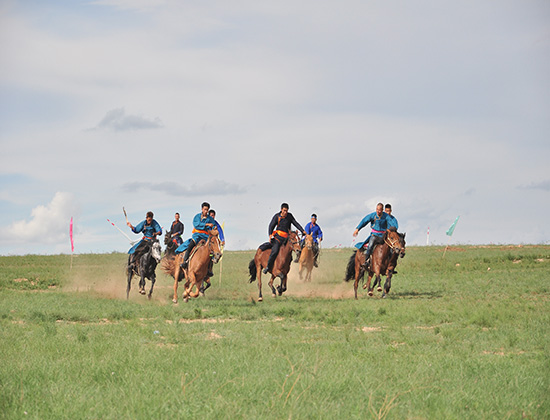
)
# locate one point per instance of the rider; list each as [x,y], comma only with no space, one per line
[202,222]
[282,221]
[176,230]
[212,214]
[392,221]
[150,229]
[315,230]
[379,224]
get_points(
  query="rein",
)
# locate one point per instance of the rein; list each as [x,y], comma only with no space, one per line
[391,245]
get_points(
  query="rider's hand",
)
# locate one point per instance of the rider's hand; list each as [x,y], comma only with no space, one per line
[355,232]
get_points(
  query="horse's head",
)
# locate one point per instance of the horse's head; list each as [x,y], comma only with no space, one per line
[294,241]
[402,244]
[156,251]
[395,240]
[308,241]
[214,245]
[167,238]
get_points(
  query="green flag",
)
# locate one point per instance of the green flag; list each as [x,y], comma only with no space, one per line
[452,228]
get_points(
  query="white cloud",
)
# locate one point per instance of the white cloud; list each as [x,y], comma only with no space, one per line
[118,120]
[48,224]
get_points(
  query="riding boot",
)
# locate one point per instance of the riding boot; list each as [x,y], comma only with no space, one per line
[186,256]
[315,262]
[367,257]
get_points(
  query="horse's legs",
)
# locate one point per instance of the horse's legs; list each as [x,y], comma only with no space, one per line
[176,276]
[282,287]
[259,278]
[142,283]
[130,275]
[273,291]
[153,279]
[358,275]
[387,285]
[367,285]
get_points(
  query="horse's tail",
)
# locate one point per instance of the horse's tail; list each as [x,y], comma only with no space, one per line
[169,266]
[252,270]
[350,269]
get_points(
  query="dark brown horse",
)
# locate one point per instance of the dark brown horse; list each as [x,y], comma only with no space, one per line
[281,267]
[383,261]
[197,270]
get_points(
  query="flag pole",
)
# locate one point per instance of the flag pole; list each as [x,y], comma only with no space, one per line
[72,242]
[449,233]
[428,237]
[221,259]
[444,252]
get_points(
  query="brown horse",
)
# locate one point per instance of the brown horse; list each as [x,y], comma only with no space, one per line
[197,270]
[281,267]
[306,257]
[383,261]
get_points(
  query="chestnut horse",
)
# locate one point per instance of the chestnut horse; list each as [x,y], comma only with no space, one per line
[197,269]
[306,257]
[383,261]
[281,267]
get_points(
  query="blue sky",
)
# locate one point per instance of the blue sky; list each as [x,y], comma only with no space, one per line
[438,107]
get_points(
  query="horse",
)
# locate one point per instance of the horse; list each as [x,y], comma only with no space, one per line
[171,246]
[383,261]
[197,269]
[307,257]
[143,264]
[281,267]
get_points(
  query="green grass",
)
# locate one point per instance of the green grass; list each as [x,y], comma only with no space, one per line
[465,336]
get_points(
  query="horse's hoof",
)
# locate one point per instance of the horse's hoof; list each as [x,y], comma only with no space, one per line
[370,293]
[260,299]
[174,300]
[364,286]
[379,289]
[274,295]
[186,299]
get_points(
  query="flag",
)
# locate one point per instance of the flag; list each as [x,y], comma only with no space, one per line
[452,228]
[71,234]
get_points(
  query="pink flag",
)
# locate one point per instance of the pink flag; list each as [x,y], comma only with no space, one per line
[71,233]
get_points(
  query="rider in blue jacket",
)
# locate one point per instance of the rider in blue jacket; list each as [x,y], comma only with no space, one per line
[379,224]
[150,228]
[392,221]
[202,223]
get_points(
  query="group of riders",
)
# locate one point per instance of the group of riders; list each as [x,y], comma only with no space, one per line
[278,230]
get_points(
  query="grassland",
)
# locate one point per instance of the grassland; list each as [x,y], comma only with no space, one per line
[465,336]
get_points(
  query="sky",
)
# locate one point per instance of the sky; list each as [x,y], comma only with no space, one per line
[441,108]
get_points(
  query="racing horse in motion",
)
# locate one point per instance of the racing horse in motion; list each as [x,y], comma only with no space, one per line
[306,257]
[197,270]
[281,266]
[383,262]
[171,245]
[143,263]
